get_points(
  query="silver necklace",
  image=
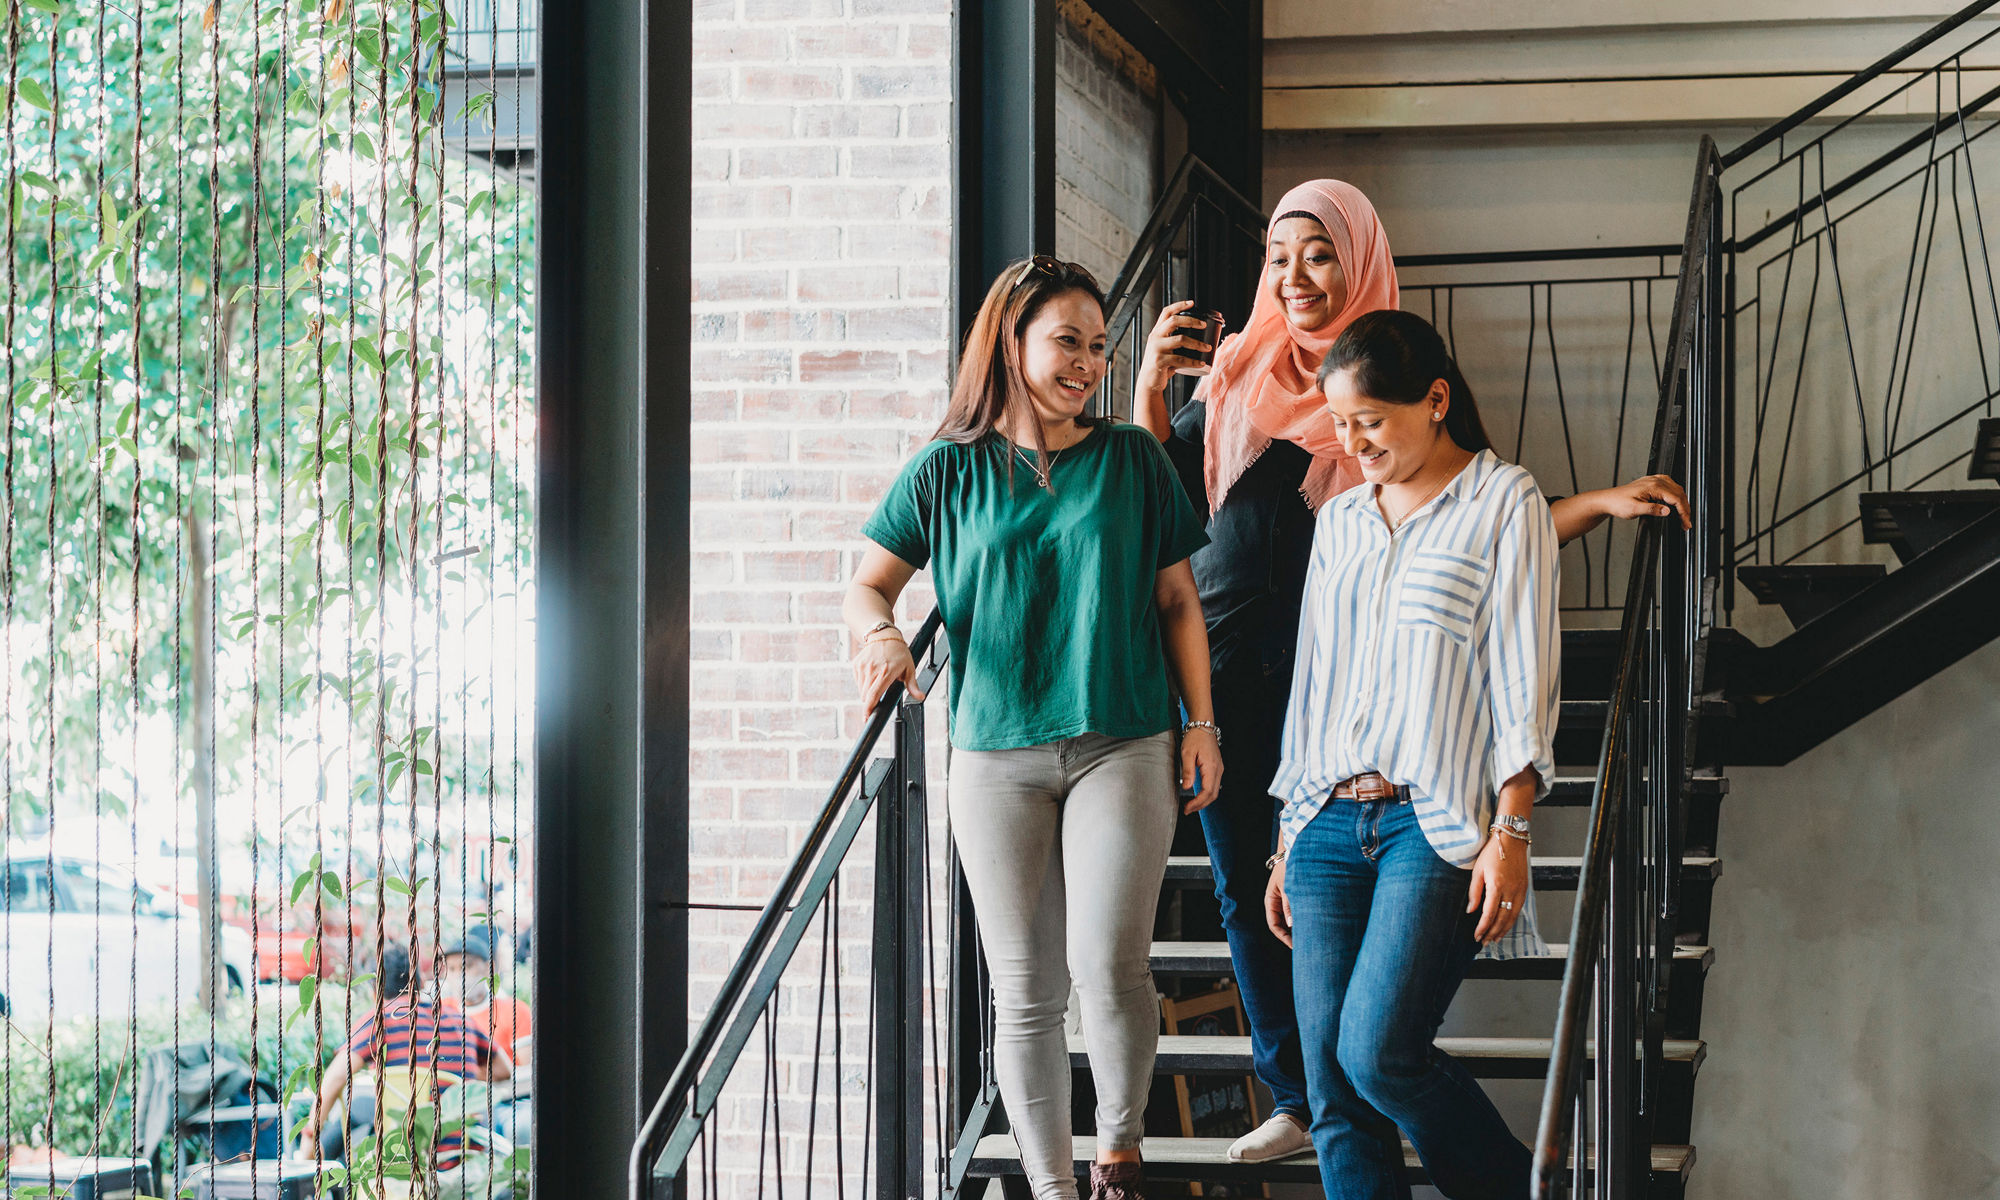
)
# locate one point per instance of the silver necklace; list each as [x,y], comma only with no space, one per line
[1404,515]
[1041,476]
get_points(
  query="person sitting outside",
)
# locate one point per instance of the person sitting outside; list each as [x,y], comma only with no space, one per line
[402,1027]
[465,977]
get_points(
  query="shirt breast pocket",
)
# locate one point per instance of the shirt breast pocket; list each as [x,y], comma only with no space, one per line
[1441,591]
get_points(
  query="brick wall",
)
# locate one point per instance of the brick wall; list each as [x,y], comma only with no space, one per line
[821,278]
[1107,143]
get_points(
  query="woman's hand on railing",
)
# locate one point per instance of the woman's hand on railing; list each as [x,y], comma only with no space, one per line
[1278,909]
[880,663]
[1201,762]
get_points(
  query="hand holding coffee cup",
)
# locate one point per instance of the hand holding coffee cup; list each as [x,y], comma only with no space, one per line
[1182,342]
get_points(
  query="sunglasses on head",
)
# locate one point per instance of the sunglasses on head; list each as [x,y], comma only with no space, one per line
[1051,266]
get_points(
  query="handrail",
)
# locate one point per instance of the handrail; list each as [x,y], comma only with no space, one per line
[1608,814]
[764,934]
[1854,83]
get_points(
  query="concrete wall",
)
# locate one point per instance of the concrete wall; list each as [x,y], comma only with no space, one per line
[1853,1048]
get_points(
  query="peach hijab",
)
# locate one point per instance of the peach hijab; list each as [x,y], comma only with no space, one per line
[1263,385]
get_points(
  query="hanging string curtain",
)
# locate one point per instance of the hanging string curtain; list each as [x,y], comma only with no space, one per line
[266,499]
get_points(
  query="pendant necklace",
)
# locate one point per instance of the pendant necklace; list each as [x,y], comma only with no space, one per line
[1041,476]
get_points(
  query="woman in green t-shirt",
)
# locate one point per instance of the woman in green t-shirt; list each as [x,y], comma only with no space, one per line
[1058,548]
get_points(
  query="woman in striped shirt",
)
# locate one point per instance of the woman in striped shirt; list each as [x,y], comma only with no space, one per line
[1418,737]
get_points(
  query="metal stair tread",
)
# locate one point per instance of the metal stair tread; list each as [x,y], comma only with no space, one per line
[1208,1158]
[1212,958]
[1985,462]
[1552,871]
[1183,1054]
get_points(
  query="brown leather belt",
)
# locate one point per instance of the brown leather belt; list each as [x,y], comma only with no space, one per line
[1371,787]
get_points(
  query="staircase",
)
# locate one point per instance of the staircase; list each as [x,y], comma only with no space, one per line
[1884,577]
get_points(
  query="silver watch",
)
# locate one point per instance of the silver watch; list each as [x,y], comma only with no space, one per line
[1515,825]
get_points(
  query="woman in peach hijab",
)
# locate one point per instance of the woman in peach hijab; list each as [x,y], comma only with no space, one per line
[1257,452]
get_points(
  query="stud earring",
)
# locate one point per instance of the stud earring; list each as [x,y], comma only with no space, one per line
[1436,416]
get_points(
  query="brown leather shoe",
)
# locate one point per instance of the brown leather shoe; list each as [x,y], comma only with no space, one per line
[1117,1181]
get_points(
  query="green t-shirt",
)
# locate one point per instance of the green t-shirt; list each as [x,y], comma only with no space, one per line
[1047,595]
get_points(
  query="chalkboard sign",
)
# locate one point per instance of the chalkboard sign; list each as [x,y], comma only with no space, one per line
[1213,1106]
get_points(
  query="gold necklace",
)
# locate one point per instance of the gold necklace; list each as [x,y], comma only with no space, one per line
[1397,523]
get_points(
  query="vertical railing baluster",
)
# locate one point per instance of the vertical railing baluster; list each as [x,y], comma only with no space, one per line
[898,966]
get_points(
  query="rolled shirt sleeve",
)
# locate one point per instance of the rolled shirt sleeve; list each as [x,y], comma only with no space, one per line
[1523,644]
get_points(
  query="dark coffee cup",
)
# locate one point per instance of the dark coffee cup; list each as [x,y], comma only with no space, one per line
[1209,331]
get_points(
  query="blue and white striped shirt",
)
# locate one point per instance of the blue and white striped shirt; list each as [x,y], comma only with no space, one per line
[1431,655]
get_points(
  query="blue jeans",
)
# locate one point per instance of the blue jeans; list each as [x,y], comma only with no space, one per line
[1241,829]
[1381,942]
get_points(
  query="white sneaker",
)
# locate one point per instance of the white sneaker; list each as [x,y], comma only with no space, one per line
[1279,1137]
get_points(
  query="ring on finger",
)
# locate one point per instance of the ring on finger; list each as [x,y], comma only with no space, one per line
[1508,904]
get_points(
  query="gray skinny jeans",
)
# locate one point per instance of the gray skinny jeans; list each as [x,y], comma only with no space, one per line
[1064,846]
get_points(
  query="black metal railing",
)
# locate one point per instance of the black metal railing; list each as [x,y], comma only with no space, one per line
[805,1022]
[1862,307]
[1621,946]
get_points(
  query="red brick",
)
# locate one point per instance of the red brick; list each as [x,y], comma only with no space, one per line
[711,83]
[905,324]
[753,607]
[820,764]
[791,243]
[789,10]
[821,607]
[709,569]
[845,444]
[926,283]
[769,366]
[710,166]
[816,366]
[839,201]
[712,725]
[718,684]
[712,404]
[928,41]
[773,724]
[738,284]
[830,525]
[847,283]
[735,523]
[791,83]
[900,83]
[895,406]
[790,325]
[791,646]
[713,245]
[710,486]
[790,405]
[737,764]
[726,43]
[929,366]
[742,202]
[775,804]
[714,327]
[828,683]
[738,443]
[926,121]
[787,484]
[736,122]
[844,42]
[783,162]
[849,121]
[864,487]
[895,161]
[790,566]
[711,645]
[707,883]
[873,8]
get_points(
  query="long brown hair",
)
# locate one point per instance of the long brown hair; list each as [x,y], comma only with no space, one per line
[989,386]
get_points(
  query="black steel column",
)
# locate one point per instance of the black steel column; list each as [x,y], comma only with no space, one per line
[611,657]
[900,903]
[1004,151]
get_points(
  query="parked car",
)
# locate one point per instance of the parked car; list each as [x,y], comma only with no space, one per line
[71,942]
